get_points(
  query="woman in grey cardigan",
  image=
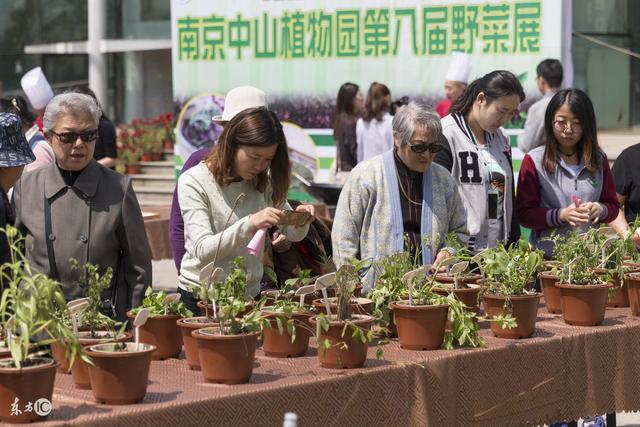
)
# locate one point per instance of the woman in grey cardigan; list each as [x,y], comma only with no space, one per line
[399,200]
[76,208]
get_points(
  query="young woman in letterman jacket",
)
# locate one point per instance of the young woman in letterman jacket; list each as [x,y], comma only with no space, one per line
[566,183]
[478,155]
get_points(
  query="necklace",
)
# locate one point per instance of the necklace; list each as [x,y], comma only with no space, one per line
[567,154]
[404,193]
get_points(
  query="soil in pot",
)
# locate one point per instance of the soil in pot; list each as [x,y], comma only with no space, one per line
[29,384]
[632,281]
[162,332]
[583,305]
[363,306]
[550,291]
[80,369]
[226,359]
[188,325]
[120,377]
[336,356]
[420,327]
[619,297]
[275,344]
[524,308]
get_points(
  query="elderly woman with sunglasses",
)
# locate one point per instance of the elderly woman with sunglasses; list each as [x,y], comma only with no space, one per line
[400,200]
[77,208]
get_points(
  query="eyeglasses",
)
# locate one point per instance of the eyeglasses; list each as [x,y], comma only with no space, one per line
[564,125]
[433,147]
[71,137]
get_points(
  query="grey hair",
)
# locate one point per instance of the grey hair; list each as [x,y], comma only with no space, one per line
[412,116]
[75,104]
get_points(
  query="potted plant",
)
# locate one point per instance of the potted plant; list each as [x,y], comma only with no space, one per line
[343,337]
[93,327]
[128,152]
[509,303]
[389,287]
[227,351]
[29,315]
[119,371]
[161,329]
[287,329]
[583,292]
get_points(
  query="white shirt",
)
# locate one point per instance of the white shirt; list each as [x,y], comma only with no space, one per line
[374,137]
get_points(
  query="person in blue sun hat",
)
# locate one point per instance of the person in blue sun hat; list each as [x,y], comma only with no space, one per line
[15,154]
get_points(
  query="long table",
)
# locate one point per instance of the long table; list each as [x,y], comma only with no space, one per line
[562,372]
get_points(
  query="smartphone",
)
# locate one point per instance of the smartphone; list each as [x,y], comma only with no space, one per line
[492,204]
[294,218]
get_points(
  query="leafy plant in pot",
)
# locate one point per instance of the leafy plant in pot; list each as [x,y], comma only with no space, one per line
[206,292]
[613,250]
[329,305]
[119,371]
[343,337]
[29,310]
[161,330]
[90,325]
[389,287]
[287,329]
[583,292]
[632,276]
[227,351]
[421,319]
[509,304]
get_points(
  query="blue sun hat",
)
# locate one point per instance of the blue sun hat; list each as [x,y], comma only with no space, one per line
[14,148]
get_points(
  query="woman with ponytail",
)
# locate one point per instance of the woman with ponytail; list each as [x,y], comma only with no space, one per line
[478,155]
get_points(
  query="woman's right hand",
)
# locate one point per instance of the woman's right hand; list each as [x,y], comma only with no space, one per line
[575,215]
[266,218]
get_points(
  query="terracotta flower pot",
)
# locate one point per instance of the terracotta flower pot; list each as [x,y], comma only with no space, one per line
[336,356]
[120,377]
[468,296]
[619,296]
[226,359]
[583,305]
[550,291]
[80,369]
[362,306]
[420,327]
[162,332]
[134,169]
[146,157]
[524,310]
[275,344]
[632,281]
[30,384]
[58,351]
[167,144]
[188,325]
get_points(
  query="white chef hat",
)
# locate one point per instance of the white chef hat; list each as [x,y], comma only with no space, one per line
[459,68]
[37,88]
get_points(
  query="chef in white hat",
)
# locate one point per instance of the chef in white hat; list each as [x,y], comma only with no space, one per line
[455,81]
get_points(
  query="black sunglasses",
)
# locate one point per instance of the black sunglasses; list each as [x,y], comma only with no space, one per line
[71,137]
[432,148]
